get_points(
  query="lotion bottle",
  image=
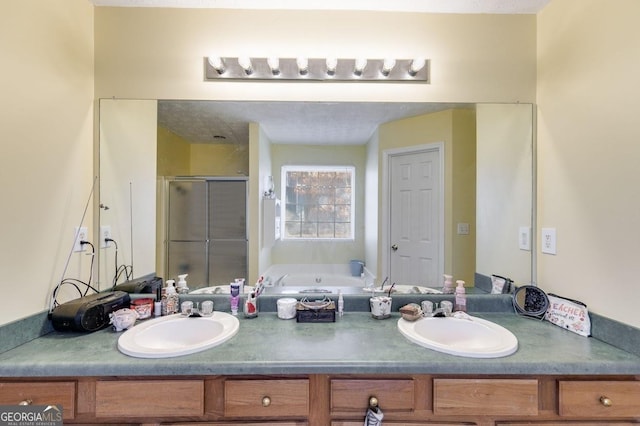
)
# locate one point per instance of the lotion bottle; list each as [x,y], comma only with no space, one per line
[447,287]
[461,297]
[234,289]
[170,299]
[340,303]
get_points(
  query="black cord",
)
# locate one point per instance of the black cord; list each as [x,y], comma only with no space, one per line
[119,269]
[77,283]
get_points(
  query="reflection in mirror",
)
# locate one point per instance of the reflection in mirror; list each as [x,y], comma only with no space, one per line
[486,203]
[530,301]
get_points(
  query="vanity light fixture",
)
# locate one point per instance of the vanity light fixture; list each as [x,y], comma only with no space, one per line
[317,69]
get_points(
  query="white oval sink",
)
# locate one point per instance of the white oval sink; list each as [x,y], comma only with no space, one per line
[176,335]
[469,337]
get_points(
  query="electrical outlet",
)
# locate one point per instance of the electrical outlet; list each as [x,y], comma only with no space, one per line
[549,240]
[105,232]
[524,238]
[80,234]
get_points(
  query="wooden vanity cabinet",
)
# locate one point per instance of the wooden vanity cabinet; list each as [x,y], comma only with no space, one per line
[336,400]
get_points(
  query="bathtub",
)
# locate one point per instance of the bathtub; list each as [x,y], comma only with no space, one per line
[310,279]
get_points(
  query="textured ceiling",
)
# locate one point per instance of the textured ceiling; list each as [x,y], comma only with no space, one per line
[427,6]
[316,123]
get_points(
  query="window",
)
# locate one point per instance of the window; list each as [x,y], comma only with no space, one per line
[318,202]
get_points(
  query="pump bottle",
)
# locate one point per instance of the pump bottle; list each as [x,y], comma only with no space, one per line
[182,284]
[460,302]
[170,299]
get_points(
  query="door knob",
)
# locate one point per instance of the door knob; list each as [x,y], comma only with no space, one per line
[394,247]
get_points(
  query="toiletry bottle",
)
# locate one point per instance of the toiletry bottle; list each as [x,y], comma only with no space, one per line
[340,303]
[461,297]
[170,299]
[234,289]
[182,284]
[447,288]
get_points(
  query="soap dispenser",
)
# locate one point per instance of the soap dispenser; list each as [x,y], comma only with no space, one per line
[447,287]
[460,303]
[170,299]
[182,284]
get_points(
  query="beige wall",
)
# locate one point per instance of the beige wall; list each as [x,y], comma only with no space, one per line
[46,117]
[158,53]
[588,133]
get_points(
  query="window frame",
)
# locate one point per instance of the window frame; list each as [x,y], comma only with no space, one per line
[317,168]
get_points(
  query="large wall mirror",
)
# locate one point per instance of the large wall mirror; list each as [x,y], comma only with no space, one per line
[487,189]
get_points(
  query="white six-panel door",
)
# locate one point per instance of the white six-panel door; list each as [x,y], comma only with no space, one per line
[415,217]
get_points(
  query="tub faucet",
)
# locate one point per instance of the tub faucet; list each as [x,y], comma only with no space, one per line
[278,282]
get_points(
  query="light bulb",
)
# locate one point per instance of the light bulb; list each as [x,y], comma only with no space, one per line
[245,63]
[303,65]
[387,66]
[359,66]
[416,65]
[332,64]
[274,65]
[216,63]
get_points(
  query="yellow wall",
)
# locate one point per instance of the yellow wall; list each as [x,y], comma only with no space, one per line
[152,53]
[588,150]
[174,154]
[46,117]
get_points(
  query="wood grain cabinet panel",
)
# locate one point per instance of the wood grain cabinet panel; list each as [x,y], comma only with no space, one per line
[488,397]
[272,398]
[348,395]
[599,399]
[149,398]
[41,393]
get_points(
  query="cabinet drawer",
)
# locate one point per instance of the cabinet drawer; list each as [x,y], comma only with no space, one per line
[588,398]
[266,398]
[354,394]
[485,396]
[41,393]
[149,398]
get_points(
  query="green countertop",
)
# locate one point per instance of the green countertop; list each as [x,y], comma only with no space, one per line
[354,344]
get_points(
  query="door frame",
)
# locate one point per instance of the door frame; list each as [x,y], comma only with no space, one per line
[387,156]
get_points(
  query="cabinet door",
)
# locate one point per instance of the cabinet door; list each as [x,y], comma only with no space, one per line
[349,395]
[41,393]
[485,397]
[273,398]
[599,399]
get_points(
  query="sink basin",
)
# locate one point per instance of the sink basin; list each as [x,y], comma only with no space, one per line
[468,337]
[176,335]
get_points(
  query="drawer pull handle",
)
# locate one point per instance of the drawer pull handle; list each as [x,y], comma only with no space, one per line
[606,401]
[26,402]
[373,402]
[266,401]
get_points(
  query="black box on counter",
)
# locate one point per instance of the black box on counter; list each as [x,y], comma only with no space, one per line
[316,311]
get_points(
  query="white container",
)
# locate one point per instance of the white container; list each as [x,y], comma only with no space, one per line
[287,308]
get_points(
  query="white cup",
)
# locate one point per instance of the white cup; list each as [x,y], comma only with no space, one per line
[380,307]
[287,308]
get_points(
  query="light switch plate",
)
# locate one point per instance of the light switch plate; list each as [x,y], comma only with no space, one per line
[549,240]
[463,229]
[524,238]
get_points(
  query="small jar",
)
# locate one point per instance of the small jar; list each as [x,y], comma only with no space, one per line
[144,307]
[287,308]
